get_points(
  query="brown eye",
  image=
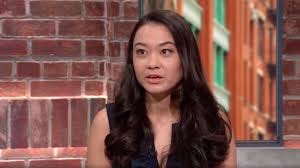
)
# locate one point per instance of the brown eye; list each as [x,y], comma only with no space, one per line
[166,51]
[140,52]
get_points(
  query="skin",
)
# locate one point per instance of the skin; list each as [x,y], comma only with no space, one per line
[152,55]
[95,148]
[157,55]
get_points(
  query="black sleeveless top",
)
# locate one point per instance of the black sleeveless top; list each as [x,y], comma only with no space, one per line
[147,157]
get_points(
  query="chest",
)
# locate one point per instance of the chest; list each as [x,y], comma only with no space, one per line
[156,149]
[162,142]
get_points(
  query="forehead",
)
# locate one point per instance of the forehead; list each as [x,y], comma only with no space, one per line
[153,33]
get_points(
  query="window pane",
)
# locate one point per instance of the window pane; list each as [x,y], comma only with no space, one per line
[260,93]
[219,10]
[260,38]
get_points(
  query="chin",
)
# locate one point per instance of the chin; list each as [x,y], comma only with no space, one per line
[157,91]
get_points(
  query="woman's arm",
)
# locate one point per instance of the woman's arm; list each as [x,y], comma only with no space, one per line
[230,161]
[95,149]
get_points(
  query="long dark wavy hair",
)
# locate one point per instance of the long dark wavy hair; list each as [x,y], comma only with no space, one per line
[202,136]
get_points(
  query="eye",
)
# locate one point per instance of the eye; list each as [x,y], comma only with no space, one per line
[141,52]
[166,51]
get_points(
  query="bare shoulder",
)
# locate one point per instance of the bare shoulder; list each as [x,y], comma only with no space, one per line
[96,146]
[230,161]
[101,121]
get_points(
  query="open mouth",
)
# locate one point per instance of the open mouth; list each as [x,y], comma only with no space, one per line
[154,79]
[153,76]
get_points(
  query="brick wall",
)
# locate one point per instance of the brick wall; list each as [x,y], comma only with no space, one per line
[58,63]
[291,73]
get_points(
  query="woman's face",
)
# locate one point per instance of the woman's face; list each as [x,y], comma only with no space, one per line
[155,59]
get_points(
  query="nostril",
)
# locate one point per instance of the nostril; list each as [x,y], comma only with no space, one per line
[153,67]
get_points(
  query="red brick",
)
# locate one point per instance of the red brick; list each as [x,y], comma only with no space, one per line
[55,70]
[97,104]
[83,69]
[11,154]
[5,69]
[55,163]
[125,45]
[115,70]
[291,27]
[288,68]
[4,105]
[291,107]
[19,124]
[43,153]
[113,9]
[102,67]
[94,88]
[55,8]
[110,28]
[110,90]
[28,28]
[79,130]
[292,144]
[28,69]
[72,152]
[291,87]
[12,89]
[297,68]
[12,163]
[291,127]
[12,8]
[56,47]
[291,8]
[13,47]
[39,123]
[120,32]
[114,49]
[94,8]
[291,46]
[131,9]
[95,48]
[55,88]
[59,122]
[81,28]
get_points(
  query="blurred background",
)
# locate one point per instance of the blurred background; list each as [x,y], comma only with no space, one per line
[60,58]
[237,44]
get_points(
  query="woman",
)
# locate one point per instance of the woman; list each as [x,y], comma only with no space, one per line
[164,114]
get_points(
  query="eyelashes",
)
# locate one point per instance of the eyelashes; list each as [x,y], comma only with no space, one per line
[140,52]
[164,52]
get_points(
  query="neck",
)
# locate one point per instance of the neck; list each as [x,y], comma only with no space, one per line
[160,109]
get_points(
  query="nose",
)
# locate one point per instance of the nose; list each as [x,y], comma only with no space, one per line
[153,62]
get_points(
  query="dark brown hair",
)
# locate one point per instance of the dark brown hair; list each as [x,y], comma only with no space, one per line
[202,136]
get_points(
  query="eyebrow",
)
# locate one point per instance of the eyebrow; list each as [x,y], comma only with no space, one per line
[161,44]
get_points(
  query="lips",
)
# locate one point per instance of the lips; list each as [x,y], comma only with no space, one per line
[153,78]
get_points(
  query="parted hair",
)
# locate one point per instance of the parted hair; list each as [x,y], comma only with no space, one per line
[203,134]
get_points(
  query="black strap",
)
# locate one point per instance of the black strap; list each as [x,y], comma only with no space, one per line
[109,109]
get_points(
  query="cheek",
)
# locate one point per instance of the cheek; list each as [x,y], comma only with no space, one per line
[176,72]
[178,68]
